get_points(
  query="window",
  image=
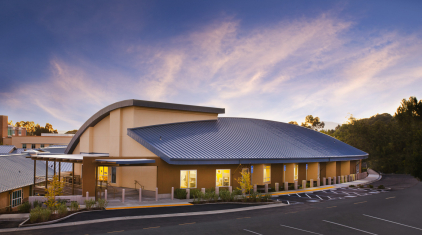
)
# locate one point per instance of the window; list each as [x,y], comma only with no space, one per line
[10,131]
[42,145]
[188,179]
[222,178]
[113,175]
[296,173]
[357,167]
[32,146]
[20,132]
[103,173]
[17,198]
[24,146]
[267,173]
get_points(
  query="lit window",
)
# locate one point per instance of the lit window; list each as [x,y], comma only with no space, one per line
[188,179]
[103,173]
[296,172]
[32,146]
[24,146]
[267,173]
[42,145]
[222,178]
[16,198]
[113,175]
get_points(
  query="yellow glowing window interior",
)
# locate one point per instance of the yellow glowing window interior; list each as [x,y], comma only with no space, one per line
[267,173]
[188,179]
[103,173]
[296,172]
[222,178]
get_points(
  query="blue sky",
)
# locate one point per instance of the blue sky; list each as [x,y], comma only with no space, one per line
[62,61]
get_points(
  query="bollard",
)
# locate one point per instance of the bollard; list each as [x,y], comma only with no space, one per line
[230,189]
[295,184]
[87,195]
[311,183]
[123,195]
[324,181]
[277,187]
[286,186]
[140,194]
[266,188]
[255,188]
[156,194]
[187,193]
[329,180]
[338,178]
[105,194]
[304,184]
[217,190]
[172,193]
[203,190]
[318,182]
[334,180]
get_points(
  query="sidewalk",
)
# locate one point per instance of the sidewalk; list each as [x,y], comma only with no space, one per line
[146,204]
[14,217]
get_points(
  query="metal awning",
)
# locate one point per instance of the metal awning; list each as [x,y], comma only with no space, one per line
[78,158]
[119,162]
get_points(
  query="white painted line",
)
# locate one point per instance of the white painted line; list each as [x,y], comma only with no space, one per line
[298,195]
[319,197]
[350,227]
[329,197]
[300,229]
[393,222]
[252,231]
[288,202]
[308,196]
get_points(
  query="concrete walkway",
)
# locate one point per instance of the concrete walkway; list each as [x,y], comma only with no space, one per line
[14,217]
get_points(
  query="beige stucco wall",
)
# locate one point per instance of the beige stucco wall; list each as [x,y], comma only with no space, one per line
[312,171]
[290,172]
[4,200]
[331,169]
[38,140]
[345,168]
[126,176]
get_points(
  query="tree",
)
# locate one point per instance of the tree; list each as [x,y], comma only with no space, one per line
[245,181]
[55,189]
[294,123]
[313,123]
[35,129]
[10,122]
[71,132]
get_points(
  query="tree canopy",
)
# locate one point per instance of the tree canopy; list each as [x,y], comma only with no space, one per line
[394,143]
[71,132]
[35,129]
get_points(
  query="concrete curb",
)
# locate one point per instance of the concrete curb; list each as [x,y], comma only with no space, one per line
[198,213]
[52,221]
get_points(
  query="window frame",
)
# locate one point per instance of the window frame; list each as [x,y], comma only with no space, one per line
[265,167]
[216,180]
[24,146]
[113,175]
[16,201]
[33,146]
[42,146]
[188,179]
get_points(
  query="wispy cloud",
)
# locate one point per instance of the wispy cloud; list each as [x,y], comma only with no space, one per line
[283,71]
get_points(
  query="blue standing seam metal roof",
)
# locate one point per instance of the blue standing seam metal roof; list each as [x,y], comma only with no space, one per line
[17,171]
[241,140]
[5,149]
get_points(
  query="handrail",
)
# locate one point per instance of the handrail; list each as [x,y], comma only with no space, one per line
[136,182]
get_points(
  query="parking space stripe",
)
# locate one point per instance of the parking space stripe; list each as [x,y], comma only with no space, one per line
[393,222]
[301,229]
[252,231]
[360,202]
[350,227]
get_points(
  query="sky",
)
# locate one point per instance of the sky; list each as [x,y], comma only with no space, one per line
[62,61]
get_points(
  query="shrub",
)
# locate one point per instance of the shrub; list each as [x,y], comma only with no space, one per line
[62,210]
[102,203]
[308,185]
[61,201]
[253,196]
[34,215]
[351,186]
[381,187]
[259,198]
[36,204]
[180,193]
[45,214]
[370,186]
[89,204]
[215,197]
[24,207]
[197,196]
[210,190]
[74,206]
[360,186]
[267,197]
[194,192]
[225,196]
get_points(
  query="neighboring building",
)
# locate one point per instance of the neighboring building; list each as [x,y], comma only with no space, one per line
[16,179]
[10,135]
[164,145]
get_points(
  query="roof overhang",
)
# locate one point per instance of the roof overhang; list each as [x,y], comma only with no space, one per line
[124,162]
[75,158]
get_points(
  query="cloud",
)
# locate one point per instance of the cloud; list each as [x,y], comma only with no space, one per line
[281,71]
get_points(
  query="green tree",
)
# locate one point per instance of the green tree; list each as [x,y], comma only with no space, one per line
[71,132]
[294,123]
[313,123]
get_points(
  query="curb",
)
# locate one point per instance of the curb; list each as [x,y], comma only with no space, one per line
[136,207]
[50,222]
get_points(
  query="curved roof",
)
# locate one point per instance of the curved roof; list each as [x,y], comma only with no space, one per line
[241,140]
[96,118]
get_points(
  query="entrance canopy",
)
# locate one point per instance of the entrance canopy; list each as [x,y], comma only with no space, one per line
[76,158]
